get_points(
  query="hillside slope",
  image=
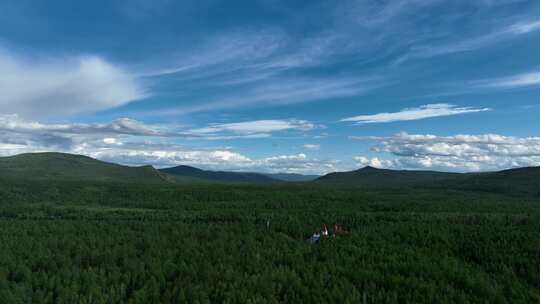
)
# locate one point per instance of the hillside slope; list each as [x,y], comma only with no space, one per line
[61,166]
[183,173]
[512,181]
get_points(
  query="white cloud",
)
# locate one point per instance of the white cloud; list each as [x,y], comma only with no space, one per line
[525,27]
[168,155]
[374,162]
[56,87]
[19,135]
[110,140]
[131,142]
[312,146]
[251,129]
[122,126]
[422,112]
[521,80]
[257,126]
[298,163]
[455,153]
[219,159]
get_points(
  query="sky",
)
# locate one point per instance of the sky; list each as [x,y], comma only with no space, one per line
[274,86]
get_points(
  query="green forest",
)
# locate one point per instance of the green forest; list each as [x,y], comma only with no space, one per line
[104,242]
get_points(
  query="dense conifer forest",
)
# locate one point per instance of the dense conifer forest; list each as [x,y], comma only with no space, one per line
[98,242]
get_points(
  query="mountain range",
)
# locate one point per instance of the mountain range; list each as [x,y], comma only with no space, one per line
[186,173]
[61,166]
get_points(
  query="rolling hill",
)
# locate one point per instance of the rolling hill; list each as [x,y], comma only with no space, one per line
[373,177]
[517,181]
[62,166]
[187,173]
[512,181]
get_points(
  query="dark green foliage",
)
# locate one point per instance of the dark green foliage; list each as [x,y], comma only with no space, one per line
[76,230]
[96,242]
[187,173]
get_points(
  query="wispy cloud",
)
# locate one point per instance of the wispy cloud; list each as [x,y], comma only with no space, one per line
[525,27]
[422,112]
[312,146]
[516,81]
[259,68]
[279,92]
[470,44]
[257,126]
[239,69]
[252,129]
[122,126]
[226,52]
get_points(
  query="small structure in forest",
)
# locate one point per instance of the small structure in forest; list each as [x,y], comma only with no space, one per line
[315,238]
[324,233]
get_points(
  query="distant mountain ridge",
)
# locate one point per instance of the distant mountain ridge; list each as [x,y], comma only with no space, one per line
[511,181]
[195,174]
[524,180]
[292,177]
[369,176]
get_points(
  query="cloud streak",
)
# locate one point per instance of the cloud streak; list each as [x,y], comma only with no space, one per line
[525,27]
[516,81]
[312,146]
[422,112]
[278,92]
[257,126]
[122,126]
[470,44]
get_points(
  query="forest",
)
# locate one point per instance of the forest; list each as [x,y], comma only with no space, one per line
[105,242]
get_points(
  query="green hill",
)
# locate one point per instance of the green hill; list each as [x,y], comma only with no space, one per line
[517,181]
[512,181]
[187,173]
[61,166]
[382,178]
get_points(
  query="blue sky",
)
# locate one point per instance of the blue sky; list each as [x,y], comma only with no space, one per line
[274,86]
